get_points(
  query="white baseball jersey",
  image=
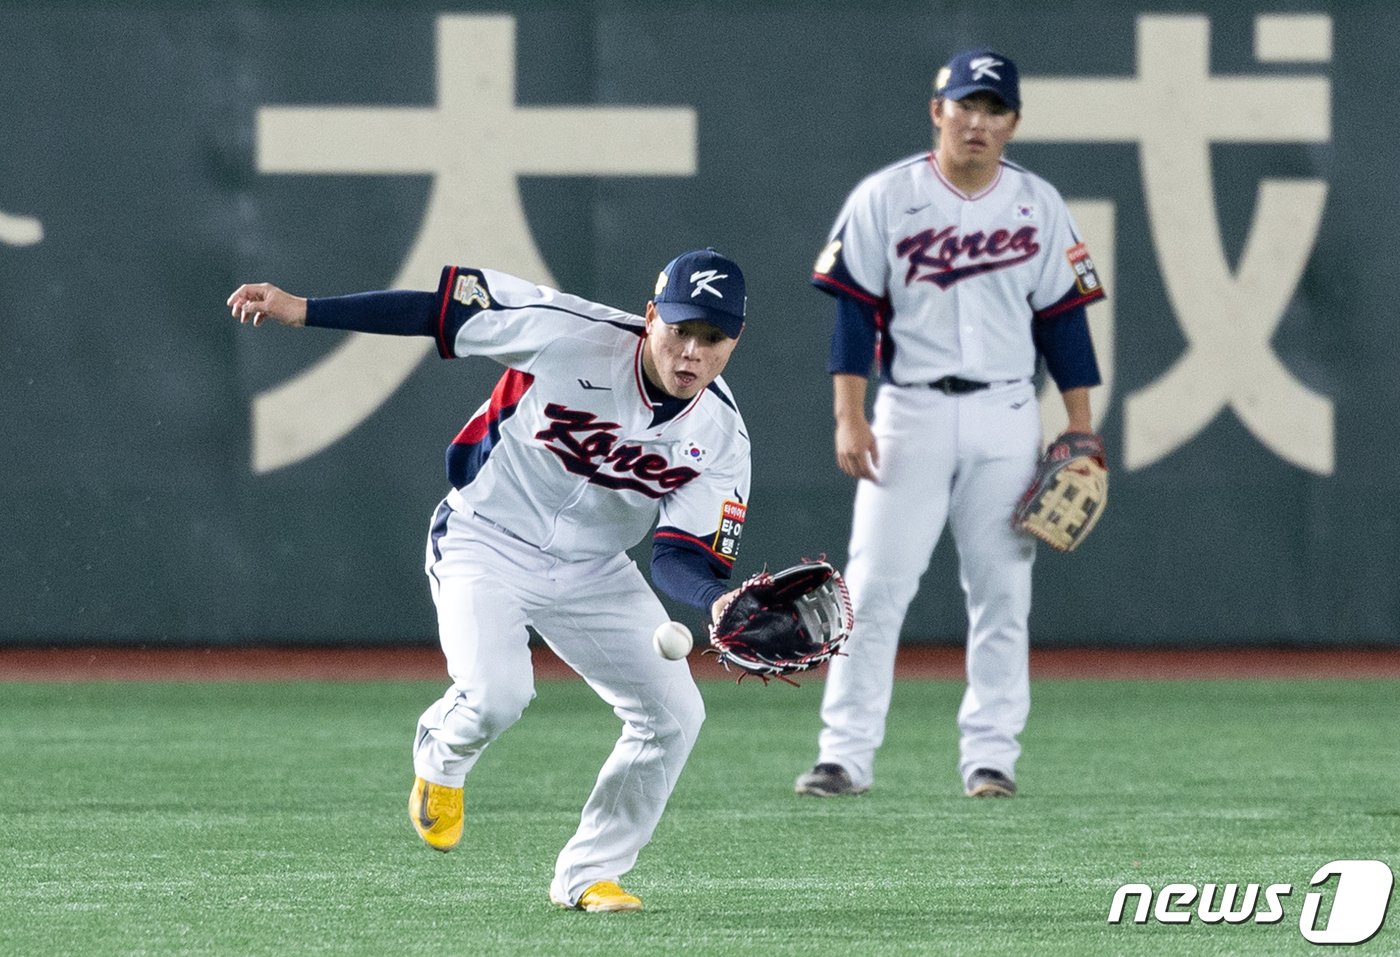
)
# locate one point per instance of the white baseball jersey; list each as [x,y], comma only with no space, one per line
[908,241]
[566,453]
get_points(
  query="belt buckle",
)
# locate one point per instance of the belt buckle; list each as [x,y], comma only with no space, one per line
[946,385]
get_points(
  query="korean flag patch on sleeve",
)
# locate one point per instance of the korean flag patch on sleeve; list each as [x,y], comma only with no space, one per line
[731,530]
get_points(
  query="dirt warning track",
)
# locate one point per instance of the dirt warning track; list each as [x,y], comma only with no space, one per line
[414,662]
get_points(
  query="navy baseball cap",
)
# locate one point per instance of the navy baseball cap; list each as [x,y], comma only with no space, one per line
[702,284]
[974,71]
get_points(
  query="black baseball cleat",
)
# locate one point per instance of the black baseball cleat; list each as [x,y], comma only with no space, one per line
[827,780]
[986,783]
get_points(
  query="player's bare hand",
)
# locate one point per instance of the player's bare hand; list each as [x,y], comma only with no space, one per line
[857,453]
[257,301]
[718,606]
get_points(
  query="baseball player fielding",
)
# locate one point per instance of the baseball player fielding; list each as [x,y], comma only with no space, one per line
[603,427]
[672,640]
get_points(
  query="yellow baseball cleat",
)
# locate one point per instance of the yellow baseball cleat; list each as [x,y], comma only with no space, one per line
[602,897]
[436,813]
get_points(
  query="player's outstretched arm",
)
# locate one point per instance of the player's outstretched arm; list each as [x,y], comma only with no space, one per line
[257,301]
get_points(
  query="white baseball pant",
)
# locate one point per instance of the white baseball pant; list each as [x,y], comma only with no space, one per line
[598,615]
[962,460]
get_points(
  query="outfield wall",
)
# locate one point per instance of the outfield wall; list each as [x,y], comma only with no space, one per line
[169,476]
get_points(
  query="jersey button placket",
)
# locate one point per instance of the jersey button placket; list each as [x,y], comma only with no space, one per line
[971,347]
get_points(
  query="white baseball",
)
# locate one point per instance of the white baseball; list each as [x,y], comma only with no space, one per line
[672,640]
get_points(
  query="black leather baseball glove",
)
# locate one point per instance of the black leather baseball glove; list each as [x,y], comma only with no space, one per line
[784,623]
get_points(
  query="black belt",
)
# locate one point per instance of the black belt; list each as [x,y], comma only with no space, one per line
[952,385]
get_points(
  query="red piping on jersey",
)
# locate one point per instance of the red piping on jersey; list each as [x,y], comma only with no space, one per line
[504,398]
[690,408]
[882,334]
[1060,307]
[970,197]
[822,279]
[637,371]
[444,349]
[692,540]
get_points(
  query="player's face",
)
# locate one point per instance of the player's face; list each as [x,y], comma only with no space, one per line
[973,131]
[683,359]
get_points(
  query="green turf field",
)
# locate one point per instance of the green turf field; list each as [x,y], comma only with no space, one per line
[248,819]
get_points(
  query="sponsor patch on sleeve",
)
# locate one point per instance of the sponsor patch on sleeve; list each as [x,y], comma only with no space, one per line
[731,529]
[1084,275]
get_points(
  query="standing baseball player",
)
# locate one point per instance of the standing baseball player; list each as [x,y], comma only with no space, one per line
[952,272]
[603,425]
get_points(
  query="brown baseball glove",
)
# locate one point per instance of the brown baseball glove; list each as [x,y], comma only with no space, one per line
[1068,494]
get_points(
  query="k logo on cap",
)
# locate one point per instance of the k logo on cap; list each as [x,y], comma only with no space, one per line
[975,71]
[681,284]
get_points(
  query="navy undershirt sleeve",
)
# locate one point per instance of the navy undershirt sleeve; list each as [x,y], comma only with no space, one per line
[853,339]
[394,312]
[685,575]
[1063,339]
